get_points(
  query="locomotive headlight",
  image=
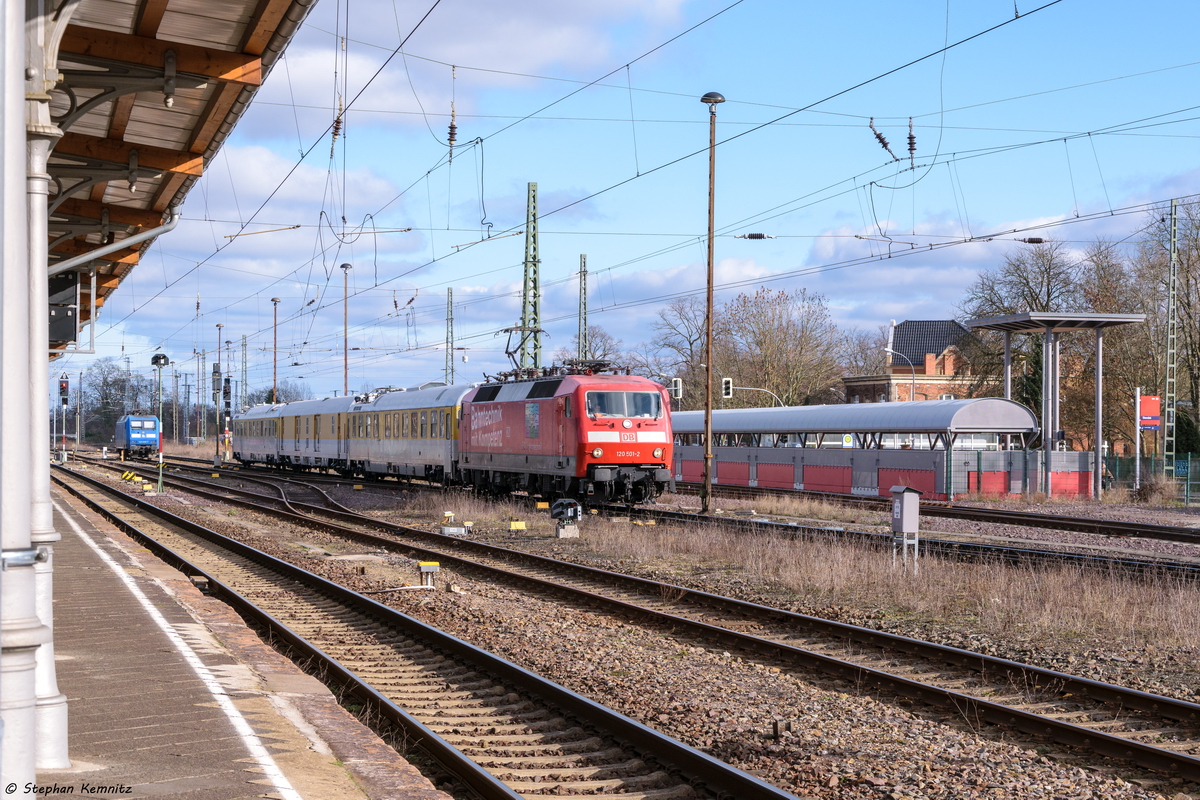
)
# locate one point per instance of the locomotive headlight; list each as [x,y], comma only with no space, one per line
[658,452]
[597,453]
[627,423]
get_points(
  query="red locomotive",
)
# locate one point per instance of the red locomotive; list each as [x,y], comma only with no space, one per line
[603,437]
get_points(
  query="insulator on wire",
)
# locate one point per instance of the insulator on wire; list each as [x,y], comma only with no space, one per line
[912,144]
[754,236]
[882,141]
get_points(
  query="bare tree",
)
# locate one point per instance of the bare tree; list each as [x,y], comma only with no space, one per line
[783,342]
[863,352]
[602,346]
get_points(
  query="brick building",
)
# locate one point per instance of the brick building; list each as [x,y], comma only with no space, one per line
[926,364]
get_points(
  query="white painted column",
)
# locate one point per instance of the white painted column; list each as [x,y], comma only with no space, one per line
[41,137]
[21,632]
[1047,406]
[1098,466]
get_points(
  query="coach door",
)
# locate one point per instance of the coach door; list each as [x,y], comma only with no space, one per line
[316,433]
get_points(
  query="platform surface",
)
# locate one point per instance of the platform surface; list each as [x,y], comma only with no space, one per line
[170,694]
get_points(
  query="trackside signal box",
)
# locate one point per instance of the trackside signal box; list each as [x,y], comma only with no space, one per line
[906,509]
[906,514]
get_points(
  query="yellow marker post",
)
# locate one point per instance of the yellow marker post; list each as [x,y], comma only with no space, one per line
[516,525]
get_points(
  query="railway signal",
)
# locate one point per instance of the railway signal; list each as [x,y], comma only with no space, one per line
[726,388]
[64,391]
[677,388]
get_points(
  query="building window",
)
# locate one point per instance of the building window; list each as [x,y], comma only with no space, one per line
[946,397]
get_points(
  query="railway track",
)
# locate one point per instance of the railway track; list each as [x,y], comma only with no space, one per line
[935,508]
[1160,733]
[498,730]
[1100,527]
[953,549]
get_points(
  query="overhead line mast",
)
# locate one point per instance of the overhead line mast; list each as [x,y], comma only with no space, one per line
[449,337]
[1172,324]
[531,296]
[583,331]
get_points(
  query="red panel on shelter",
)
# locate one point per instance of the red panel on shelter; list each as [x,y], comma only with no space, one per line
[994,483]
[733,473]
[827,479]
[1071,483]
[923,480]
[693,470]
[777,476]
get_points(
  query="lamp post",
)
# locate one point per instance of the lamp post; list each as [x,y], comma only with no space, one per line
[711,99]
[345,330]
[275,349]
[159,360]
[912,395]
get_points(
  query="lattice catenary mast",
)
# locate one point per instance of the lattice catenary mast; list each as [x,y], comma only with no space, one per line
[1172,318]
[531,298]
[583,330]
[449,337]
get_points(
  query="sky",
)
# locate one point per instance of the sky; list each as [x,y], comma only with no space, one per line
[1067,120]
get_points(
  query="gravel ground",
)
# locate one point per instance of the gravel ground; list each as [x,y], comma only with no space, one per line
[842,744]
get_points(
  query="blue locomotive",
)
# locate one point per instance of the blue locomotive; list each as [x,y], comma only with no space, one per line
[137,436]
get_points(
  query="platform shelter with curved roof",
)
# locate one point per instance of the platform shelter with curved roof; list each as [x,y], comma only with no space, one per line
[941,420]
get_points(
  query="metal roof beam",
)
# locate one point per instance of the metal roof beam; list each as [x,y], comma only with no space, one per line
[221,65]
[118,152]
[128,255]
[117,215]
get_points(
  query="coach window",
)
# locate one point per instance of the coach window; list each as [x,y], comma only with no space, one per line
[376,426]
[424,424]
[404,426]
[387,426]
[449,424]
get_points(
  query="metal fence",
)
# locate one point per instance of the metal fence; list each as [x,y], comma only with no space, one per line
[1123,472]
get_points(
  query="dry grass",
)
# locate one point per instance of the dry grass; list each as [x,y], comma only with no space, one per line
[798,506]
[206,450]
[1065,603]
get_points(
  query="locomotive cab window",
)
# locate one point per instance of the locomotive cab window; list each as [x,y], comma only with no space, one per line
[645,405]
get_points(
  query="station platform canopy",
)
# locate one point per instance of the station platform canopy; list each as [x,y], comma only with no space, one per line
[149,92]
[951,417]
[1057,322]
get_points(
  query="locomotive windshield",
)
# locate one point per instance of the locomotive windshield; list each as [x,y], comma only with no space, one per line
[624,404]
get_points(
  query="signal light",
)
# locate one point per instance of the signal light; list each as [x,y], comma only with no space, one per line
[677,388]
[726,388]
